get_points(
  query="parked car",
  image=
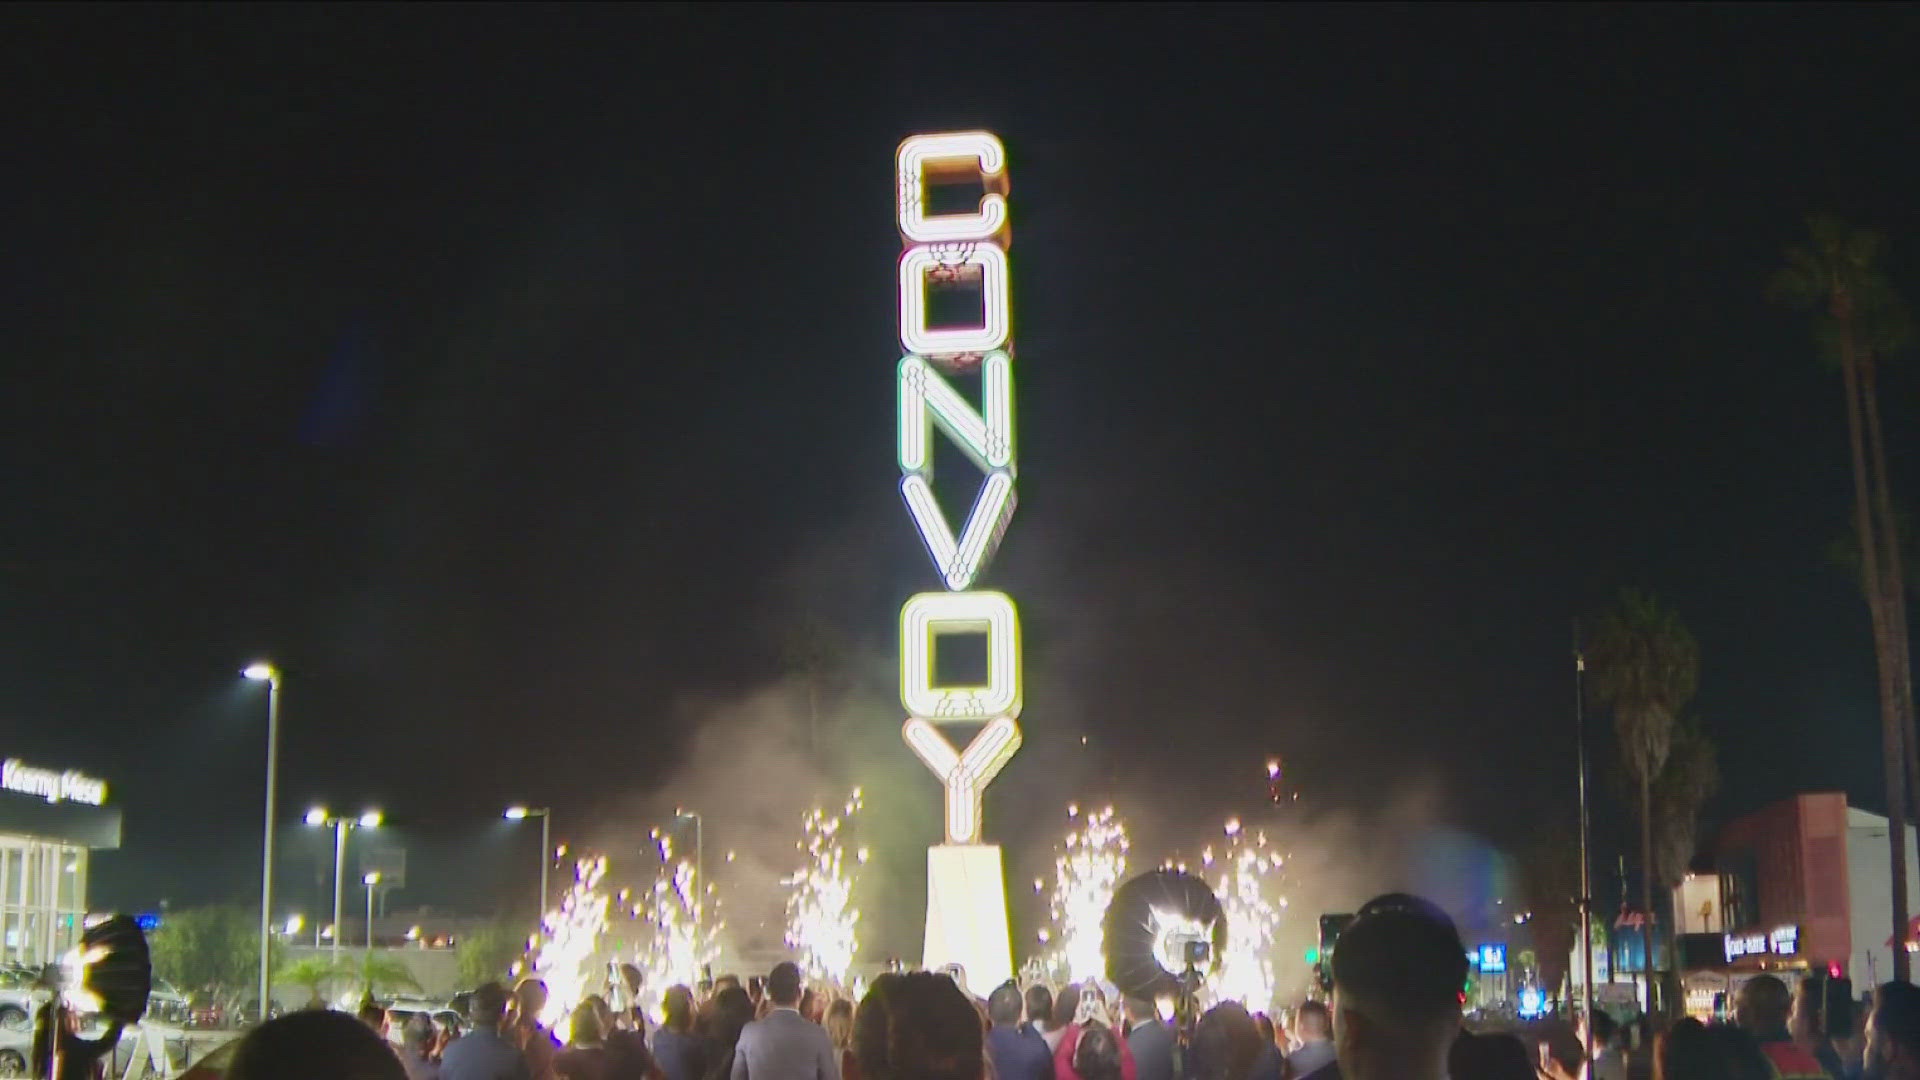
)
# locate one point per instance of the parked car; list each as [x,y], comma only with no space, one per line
[14,1048]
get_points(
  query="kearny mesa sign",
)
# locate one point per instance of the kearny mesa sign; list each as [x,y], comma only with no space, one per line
[69,786]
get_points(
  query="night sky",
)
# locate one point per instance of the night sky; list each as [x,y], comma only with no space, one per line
[522,382]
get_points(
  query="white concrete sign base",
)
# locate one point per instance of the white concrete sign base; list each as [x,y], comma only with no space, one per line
[967,915]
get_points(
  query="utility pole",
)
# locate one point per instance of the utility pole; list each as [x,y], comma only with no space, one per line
[1586,862]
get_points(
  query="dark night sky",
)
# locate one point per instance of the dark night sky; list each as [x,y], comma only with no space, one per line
[519,375]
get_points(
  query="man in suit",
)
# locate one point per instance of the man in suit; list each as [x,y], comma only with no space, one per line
[1150,1040]
[1017,1052]
[785,1045]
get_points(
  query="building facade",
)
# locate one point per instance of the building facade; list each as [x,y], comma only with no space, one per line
[50,822]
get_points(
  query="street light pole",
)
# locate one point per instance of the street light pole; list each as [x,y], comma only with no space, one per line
[371,881]
[1586,863]
[264,672]
[317,817]
[545,814]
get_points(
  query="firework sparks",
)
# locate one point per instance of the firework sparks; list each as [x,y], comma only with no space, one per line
[566,960]
[1246,879]
[1088,867]
[676,911]
[822,922]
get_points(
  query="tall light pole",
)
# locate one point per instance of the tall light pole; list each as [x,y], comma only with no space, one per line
[371,881]
[1586,863]
[545,814]
[699,870]
[317,817]
[267,673]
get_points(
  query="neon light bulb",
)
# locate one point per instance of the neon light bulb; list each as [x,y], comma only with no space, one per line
[928,614]
[978,150]
[966,774]
[996,326]
[985,435]
[959,561]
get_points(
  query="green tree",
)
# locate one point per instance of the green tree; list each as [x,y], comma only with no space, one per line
[208,949]
[1690,778]
[315,974]
[1859,319]
[376,974]
[486,953]
[1550,863]
[1646,666]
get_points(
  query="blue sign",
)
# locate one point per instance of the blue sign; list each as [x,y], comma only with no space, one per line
[1493,959]
[149,921]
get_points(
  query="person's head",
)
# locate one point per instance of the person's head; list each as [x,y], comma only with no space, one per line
[1398,979]
[783,984]
[314,1046]
[1040,1005]
[1265,1024]
[840,1023]
[1893,1031]
[1809,1001]
[1493,1056]
[374,1015]
[1761,1006]
[725,981]
[631,978]
[1312,1023]
[1066,1005]
[918,1026]
[588,1029]
[1004,1004]
[1603,1028]
[1685,1051]
[602,1012]
[677,1007]
[1139,1009]
[1097,1055]
[530,999]
[732,1010]
[488,1006]
[417,1033]
[1225,1043]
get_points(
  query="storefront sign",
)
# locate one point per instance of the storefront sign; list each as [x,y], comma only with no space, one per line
[1492,959]
[70,786]
[1783,941]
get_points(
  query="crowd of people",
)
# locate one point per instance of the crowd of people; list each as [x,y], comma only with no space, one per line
[1395,1014]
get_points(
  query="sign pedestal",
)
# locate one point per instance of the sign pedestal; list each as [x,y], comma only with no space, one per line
[967,915]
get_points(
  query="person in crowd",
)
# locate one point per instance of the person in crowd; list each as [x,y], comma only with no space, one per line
[1396,990]
[418,1041]
[484,1052]
[309,1045]
[585,1056]
[633,1016]
[627,1055]
[917,1026]
[1609,1057]
[1039,1012]
[1065,1005]
[374,1015]
[1491,1056]
[1760,1009]
[784,1045]
[1150,1040]
[840,1034]
[1315,1028]
[1096,1054]
[1093,1011]
[676,1048]
[537,1044]
[1811,1027]
[1893,1032]
[728,1015]
[1017,1053]
[1225,1044]
[1269,1063]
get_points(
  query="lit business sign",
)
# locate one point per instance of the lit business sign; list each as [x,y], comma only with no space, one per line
[1491,959]
[21,778]
[944,250]
[1782,941]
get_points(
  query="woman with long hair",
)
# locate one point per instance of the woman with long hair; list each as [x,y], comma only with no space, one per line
[732,1010]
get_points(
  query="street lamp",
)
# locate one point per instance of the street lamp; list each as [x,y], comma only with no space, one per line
[522,813]
[371,880]
[318,817]
[294,923]
[261,671]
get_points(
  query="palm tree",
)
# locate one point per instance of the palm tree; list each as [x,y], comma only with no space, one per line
[1834,272]
[315,973]
[1646,666]
[1691,777]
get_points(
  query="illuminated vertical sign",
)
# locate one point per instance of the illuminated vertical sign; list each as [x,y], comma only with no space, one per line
[968,246]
